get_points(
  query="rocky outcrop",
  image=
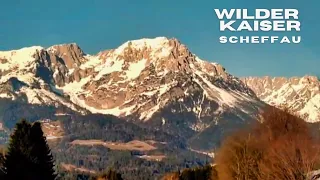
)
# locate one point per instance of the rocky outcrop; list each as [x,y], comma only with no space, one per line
[71,55]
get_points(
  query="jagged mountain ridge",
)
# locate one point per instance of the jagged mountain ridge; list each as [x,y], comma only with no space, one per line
[167,94]
[300,95]
[157,82]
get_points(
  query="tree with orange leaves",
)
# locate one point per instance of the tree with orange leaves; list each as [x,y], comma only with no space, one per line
[280,147]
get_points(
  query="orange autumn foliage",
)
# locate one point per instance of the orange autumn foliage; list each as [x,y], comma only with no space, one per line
[280,147]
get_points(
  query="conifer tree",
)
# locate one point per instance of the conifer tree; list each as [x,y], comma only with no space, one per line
[28,156]
[42,153]
[18,164]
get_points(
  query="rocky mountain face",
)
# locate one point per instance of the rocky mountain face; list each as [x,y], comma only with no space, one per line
[155,83]
[152,91]
[300,95]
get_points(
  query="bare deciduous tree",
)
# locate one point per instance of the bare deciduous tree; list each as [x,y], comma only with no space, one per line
[288,158]
[280,147]
[238,157]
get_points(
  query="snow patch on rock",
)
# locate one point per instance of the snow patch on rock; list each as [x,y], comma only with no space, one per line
[18,59]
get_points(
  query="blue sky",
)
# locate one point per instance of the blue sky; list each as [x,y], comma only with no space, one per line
[104,24]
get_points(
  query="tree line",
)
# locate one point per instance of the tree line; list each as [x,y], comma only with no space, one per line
[28,157]
[279,146]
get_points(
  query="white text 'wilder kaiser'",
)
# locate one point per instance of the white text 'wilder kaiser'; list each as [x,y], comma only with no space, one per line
[262,20]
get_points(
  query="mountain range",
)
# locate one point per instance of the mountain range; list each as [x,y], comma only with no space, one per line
[300,95]
[147,81]
[154,87]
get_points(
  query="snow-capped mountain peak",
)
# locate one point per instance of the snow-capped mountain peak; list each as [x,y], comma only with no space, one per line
[139,78]
[300,95]
[155,44]
[123,81]
[18,59]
